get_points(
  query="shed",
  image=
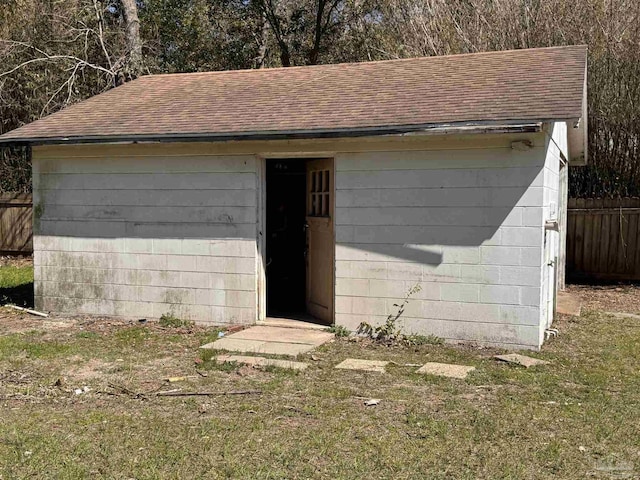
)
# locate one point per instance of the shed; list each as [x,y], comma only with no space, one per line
[321,193]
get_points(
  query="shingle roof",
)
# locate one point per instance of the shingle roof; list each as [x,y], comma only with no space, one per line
[509,86]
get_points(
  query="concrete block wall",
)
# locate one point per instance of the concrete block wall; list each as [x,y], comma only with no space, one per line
[465,225]
[143,235]
[132,231]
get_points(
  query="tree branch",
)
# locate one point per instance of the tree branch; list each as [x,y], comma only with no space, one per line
[47,57]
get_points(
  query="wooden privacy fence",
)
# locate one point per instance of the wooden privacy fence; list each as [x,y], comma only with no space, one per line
[602,238]
[16,230]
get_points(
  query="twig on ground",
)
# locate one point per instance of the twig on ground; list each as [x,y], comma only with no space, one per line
[297,410]
[125,390]
[170,393]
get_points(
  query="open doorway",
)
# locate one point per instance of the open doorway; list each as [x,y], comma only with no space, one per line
[300,242]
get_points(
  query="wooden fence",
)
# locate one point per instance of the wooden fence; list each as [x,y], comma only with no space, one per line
[602,239]
[16,230]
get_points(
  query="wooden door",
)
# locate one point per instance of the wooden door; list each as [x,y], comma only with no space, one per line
[320,239]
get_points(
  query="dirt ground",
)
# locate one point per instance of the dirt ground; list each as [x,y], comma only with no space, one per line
[16,261]
[608,298]
[82,366]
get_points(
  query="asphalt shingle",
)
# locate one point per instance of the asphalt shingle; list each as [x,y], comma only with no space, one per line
[516,85]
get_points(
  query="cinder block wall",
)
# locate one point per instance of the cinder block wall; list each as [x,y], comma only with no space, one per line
[142,234]
[140,231]
[465,225]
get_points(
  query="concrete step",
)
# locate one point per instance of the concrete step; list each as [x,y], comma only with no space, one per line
[268,340]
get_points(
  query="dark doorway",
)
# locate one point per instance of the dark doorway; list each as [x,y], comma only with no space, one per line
[286,237]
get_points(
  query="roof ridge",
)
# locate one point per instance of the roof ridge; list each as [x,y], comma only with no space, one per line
[364,63]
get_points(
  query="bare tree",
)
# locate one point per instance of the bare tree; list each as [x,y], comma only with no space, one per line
[53,54]
[300,28]
[134,67]
[263,41]
[274,11]
[324,11]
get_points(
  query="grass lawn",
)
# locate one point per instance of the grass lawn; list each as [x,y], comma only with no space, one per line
[16,283]
[574,419]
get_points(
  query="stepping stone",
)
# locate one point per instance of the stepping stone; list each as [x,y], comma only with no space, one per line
[624,315]
[523,360]
[262,362]
[364,365]
[568,304]
[445,370]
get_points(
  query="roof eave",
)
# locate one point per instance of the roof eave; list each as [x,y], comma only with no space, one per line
[578,133]
[517,126]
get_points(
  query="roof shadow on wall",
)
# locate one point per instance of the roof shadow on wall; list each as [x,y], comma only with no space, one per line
[409,253]
[458,217]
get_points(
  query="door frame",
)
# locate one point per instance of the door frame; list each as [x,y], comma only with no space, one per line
[261,225]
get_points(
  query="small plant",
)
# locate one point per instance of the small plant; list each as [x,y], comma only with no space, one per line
[212,335]
[207,354]
[210,361]
[388,332]
[214,364]
[339,330]
[418,340]
[169,320]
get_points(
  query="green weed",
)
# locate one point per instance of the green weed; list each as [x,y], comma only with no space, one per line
[168,320]
[339,330]
[419,340]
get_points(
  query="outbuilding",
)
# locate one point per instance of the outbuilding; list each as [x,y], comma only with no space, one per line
[323,193]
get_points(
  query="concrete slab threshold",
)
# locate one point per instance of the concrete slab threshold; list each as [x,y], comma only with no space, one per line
[272,341]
